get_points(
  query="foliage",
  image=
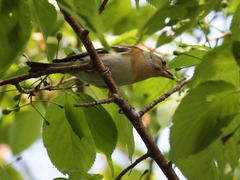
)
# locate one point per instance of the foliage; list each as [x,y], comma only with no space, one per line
[204,117]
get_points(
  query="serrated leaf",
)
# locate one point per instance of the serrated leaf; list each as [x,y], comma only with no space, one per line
[94,122]
[124,127]
[186,59]
[65,149]
[15,30]
[84,175]
[218,64]
[201,116]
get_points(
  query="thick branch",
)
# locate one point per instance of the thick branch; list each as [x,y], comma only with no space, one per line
[145,156]
[162,98]
[134,118]
[50,70]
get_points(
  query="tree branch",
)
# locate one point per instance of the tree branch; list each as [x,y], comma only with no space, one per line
[133,117]
[50,70]
[104,101]
[162,98]
[143,157]
[102,7]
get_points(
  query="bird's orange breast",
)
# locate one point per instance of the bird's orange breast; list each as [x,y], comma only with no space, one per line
[139,65]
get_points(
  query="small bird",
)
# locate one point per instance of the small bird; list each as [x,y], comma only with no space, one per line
[128,65]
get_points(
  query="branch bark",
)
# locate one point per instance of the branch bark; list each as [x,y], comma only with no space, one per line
[50,70]
[102,7]
[143,157]
[104,101]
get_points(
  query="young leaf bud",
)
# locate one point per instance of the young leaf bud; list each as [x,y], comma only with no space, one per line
[17,97]
[59,35]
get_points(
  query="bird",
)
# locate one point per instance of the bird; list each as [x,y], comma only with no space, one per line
[128,65]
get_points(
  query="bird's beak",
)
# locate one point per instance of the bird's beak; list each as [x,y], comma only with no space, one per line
[168,74]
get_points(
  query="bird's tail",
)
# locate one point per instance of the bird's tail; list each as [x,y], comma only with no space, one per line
[36,66]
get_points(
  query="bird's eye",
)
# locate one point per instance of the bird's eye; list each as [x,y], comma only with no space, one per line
[164,62]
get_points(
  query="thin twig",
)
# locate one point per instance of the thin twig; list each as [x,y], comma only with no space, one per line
[103,101]
[216,38]
[143,157]
[162,98]
[204,34]
[102,7]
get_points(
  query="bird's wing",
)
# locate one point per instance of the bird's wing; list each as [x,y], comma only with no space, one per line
[100,51]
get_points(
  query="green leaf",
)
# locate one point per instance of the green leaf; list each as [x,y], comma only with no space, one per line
[182,15]
[66,150]
[87,14]
[117,10]
[201,116]
[94,122]
[132,20]
[46,18]
[164,38]
[126,38]
[223,153]
[14,31]
[20,71]
[186,59]
[84,175]
[165,111]
[227,153]
[9,173]
[137,5]
[27,121]
[146,91]
[218,64]
[235,25]
[157,3]
[71,51]
[81,175]
[124,127]
[236,34]
[199,166]
[233,4]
